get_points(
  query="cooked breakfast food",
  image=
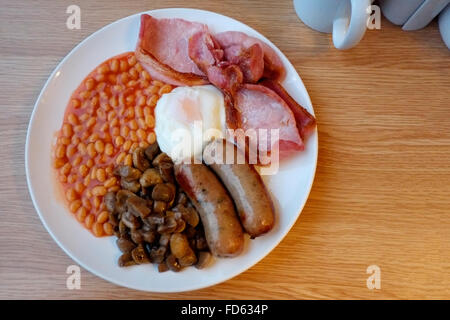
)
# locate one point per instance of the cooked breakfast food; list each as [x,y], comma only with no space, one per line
[252,201]
[118,153]
[108,116]
[232,62]
[153,220]
[223,230]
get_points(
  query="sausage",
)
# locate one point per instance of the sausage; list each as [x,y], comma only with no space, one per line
[223,231]
[253,202]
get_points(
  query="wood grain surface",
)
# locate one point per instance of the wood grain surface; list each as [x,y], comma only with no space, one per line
[381,195]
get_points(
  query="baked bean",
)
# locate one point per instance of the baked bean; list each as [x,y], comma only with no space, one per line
[72,119]
[109,149]
[119,141]
[97,229]
[165,89]
[132,60]
[114,123]
[72,178]
[133,125]
[110,182]
[90,163]
[76,103]
[134,146]
[127,145]
[133,73]
[86,181]
[101,175]
[157,83]
[71,194]
[79,187]
[151,138]
[99,146]
[89,221]
[86,203]
[90,83]
[90,122]
[65,169]
[60,151]
[91,150]
[113,102]
[120,158]
[114,65]
[74,206]
[96,201]
[93,137]
[123,65]
[108,228]
[133,136]
[150,121]
[103,69]
[81,214]
[67,130]
[99,191]
[63,179]
[102,217]
[95,101]
[76,161]
[124,131]
[83,170]
[151,102]
[128,161]
[58,163]
[113,189]
[84,117]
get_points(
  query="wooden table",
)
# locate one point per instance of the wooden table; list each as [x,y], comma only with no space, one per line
[381,195]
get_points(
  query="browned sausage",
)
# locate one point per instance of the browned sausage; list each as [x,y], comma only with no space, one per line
[222,228]
[252,200]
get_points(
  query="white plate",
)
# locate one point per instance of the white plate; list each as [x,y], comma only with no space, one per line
[289,188]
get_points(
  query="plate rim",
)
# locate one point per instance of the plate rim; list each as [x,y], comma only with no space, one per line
[73,256]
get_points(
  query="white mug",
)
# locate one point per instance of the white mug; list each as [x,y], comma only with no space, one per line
[346,19]
[444,25]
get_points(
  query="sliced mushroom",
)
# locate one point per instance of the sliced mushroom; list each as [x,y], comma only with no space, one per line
[157,254]
[172,263]
[125,245]
[139,159]
[132,186]
[110,201]
[181,198]
[190,232]
[130,220]
[140,255]
[181,225]
[113,219]
[136,236]
[151,151]
[159,206]
[161,158]
[150,177]
[126,260]
[127,172]
[123,229]
[162,267]
[169,226]
[163,192]
[155,219]
[166,171]
[148,236]
[164,240]
[121,200]
[179,246]
[204,259]
[138,207]
[189,214]
[201,244]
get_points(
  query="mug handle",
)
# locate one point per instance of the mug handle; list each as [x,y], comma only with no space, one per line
[347,34]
